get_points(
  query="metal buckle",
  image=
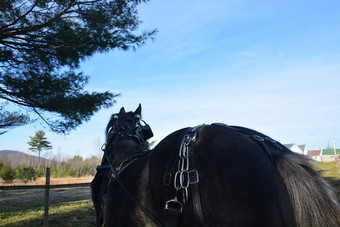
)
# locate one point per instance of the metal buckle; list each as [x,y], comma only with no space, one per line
[174,204]
[259,138]
[193,177]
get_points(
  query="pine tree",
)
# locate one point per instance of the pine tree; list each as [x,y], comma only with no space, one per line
[7,173]
[39,142]
[43,42]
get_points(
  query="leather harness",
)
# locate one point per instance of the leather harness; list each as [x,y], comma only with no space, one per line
[184,178]
[186,175]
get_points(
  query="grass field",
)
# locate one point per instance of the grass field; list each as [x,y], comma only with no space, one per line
[75,213]
[73,207]
[331,172]
[68,206]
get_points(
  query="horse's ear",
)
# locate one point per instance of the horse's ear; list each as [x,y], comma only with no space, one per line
[122,111]
[139,110]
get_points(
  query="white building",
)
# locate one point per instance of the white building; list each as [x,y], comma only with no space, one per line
[300,149]
[315,154]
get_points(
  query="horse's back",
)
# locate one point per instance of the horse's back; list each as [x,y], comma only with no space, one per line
[239,185]
[245,179]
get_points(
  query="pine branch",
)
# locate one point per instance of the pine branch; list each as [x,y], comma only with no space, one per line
[25,30]
[22,16]
[38,113]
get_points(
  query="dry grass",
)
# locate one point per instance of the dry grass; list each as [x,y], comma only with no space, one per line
[53,181]
[77,213]
[68,207]
[329,169]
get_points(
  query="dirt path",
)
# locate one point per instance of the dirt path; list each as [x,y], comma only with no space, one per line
[10,200]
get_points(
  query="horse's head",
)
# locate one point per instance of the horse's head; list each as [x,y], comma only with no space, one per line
[126,134]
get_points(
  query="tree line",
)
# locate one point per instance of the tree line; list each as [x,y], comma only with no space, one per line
[73,167]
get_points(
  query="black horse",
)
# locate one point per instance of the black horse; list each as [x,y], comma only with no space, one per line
[210,175]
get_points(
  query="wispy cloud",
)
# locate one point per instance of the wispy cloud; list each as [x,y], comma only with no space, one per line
[271,66]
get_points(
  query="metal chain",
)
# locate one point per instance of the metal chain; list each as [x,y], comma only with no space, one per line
[182,177]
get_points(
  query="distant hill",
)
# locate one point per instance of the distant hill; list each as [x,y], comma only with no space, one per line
[15,158]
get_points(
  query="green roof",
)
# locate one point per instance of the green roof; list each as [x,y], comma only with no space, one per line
[330,151]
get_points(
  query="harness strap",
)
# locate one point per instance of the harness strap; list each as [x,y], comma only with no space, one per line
[173,211]
[264,147]
[196,199]
[133,199]
[141,206]
[261,141]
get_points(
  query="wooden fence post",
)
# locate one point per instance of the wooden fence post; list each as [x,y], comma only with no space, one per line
[47,195]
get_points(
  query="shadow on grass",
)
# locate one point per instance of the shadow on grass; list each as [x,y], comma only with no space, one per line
[24,200]
[68,207]
[77,213]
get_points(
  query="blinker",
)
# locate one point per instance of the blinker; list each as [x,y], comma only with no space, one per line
[147,132]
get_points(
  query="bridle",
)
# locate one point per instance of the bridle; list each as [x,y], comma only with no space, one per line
[115,133]
[138,133]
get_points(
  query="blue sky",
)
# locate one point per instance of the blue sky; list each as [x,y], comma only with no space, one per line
[268,65]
